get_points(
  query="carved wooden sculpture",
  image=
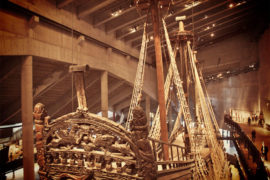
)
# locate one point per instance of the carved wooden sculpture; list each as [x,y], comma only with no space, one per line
[41,118]
[82,145]
[139,128]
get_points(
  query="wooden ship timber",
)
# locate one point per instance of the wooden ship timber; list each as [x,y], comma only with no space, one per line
[82,145]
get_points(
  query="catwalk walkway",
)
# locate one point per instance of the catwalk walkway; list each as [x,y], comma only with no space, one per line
[262,135]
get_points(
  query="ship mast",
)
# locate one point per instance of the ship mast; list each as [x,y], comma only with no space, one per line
[160,80]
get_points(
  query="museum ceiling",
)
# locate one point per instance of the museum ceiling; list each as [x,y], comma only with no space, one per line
[210,20]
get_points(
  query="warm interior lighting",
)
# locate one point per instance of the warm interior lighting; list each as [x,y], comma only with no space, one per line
[207,28]
[193,4]
[205,16]
[116,13]
[231,5]
[133,29]
[151,37]
[219,75]
[212,34]
[213,25]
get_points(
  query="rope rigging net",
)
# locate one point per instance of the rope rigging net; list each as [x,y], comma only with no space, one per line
[138,84]
[206,117]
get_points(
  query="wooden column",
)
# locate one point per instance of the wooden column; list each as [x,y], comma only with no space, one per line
[160,78]
[27,117]
[104,94]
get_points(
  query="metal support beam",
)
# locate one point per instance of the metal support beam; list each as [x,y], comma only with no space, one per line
[160,77]
[104,94]
[27,117]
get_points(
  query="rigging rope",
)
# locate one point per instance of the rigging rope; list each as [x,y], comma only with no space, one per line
[138,84]
[216,151]
[199,163]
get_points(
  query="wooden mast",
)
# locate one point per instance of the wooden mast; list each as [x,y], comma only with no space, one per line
[160,78]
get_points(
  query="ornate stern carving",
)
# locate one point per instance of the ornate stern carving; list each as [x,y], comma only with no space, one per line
[139,130]
[82,145]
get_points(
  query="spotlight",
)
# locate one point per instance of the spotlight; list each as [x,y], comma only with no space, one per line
[231,5]
[212,34]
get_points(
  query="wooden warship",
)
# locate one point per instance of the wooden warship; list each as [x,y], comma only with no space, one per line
[82,145]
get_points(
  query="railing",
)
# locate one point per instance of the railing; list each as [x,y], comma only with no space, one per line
[180,163]
[252,150]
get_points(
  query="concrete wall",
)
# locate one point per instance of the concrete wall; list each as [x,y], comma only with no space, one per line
[238,50]
[264,74]
[236,92]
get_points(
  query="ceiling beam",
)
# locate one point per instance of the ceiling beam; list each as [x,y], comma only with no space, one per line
[124,104]
[189,26]
[50,82]
[221,18]
[89,8]
[96,100]
[63,101]
[189,17]
[200,12]
[224,25]
[122,94]
[110,30]
[15,108]
[8,71]
[98,23]
[62,3]
[222,35]
[121,36]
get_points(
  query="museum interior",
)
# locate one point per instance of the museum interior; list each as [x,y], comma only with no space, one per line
[195,78]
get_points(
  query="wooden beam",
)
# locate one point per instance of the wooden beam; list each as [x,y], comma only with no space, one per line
[98,23]
[63,3]
[27,117]
[89,8]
